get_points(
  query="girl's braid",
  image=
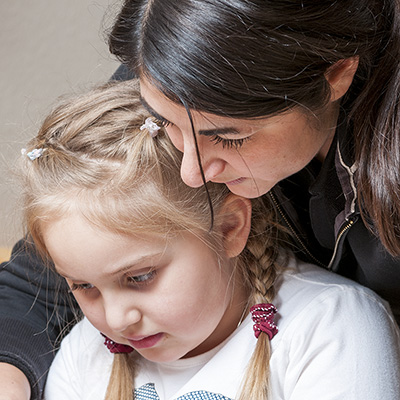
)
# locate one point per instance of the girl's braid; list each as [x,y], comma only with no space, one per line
[260,263]
[262,251]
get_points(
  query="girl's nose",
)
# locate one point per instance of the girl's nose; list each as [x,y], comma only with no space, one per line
[119,317]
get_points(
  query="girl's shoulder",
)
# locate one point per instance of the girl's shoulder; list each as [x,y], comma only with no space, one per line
[85,338]
[306,281]
[330,329]
[308,293]
[82,366]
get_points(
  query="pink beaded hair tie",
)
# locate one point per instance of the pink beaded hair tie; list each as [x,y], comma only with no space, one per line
[263,318]
[116,348]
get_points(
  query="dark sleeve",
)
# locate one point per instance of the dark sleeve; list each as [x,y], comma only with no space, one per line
[35,310]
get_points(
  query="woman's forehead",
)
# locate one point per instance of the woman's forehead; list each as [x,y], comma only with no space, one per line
[206,123]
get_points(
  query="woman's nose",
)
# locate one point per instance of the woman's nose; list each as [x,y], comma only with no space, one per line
[190,168]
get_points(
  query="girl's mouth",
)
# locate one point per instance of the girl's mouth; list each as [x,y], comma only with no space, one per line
[146,342]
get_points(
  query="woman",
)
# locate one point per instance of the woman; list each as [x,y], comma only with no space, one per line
[298,97]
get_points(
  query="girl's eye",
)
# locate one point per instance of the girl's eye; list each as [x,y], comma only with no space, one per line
[142,279]
[229,143]
[81,286]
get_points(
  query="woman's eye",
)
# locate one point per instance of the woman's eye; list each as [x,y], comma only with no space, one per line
[162,121]
[81,286]
[229,143]
[142,279]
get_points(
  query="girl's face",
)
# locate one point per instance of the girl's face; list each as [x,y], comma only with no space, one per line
[168,300]
[249,156]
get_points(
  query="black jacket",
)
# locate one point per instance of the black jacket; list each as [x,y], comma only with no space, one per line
[318,204]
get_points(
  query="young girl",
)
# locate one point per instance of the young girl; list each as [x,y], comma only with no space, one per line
[180,304]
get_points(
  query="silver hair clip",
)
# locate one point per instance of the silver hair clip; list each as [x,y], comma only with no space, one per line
[151,126]
[34,154]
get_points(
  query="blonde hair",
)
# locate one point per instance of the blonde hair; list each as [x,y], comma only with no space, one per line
[97,161]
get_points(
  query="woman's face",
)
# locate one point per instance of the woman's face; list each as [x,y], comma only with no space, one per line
[249,156]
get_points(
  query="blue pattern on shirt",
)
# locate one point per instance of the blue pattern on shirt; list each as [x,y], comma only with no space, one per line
[148,392]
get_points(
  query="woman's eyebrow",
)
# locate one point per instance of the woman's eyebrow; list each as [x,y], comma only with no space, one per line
[151,111]
[219,131]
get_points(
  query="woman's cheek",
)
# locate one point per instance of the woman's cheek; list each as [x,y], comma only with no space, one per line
[176,137]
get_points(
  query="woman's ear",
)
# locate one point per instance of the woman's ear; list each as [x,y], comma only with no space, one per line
[340,76]
[236,223]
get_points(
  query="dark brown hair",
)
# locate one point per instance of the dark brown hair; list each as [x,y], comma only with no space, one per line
[256,58]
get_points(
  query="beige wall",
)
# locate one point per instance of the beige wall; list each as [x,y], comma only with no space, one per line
[48,47]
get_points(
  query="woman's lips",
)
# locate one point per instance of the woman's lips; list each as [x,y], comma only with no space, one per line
[235,182]
[146,342]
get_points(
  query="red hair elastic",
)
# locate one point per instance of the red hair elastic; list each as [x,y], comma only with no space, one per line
[263,318]
[116,348]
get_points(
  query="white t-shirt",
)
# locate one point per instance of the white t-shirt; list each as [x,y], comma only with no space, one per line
[337,341]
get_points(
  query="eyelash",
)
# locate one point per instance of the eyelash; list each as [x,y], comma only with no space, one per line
[138,280]
[163,122]
[229,143]
[81,286]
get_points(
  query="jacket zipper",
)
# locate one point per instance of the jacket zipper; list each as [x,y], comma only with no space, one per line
[305,249]
[344,229]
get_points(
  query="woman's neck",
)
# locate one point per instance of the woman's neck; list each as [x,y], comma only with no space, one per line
[329,124]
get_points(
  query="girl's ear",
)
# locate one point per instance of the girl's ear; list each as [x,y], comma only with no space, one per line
[236,223]
[340,76]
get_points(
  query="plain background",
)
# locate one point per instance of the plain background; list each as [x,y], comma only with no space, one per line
[48,48]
